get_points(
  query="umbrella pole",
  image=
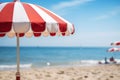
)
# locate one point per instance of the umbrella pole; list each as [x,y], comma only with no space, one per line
[18,59]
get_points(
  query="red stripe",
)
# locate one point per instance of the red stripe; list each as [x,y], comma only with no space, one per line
[62,24]
[6,17]
[37,34]
[20,34]
[2,35]
[37,23]
[63,34]
[118,43]
[52,34]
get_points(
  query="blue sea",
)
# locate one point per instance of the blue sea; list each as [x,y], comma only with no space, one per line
[54,56]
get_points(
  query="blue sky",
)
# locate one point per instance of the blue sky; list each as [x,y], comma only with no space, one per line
[97,23]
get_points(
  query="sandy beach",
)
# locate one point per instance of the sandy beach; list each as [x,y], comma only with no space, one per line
[100,72]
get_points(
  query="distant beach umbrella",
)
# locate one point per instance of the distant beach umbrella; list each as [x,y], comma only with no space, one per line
[113,49]
[18,19]
[117,43]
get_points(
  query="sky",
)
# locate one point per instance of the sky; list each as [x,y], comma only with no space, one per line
[97,23]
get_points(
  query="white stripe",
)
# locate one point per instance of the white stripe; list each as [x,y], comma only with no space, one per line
[19,13]
[70,28]
[69,25]
[2,5]
[51,24]
[21,23]
[58,16]
[46,17]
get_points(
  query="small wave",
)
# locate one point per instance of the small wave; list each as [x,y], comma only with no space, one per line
[91,62]
[85,62]
[118,61]
[4,67]
[96,61]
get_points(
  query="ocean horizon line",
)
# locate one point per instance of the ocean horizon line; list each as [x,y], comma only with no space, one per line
[62,46]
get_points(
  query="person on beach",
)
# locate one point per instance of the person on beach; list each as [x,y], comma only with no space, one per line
[99,62]
[106,62]
[112,60]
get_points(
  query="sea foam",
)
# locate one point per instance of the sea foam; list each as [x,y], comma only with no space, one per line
[7,67]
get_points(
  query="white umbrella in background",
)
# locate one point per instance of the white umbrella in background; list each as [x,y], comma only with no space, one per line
[18,19]
[117,43]
[113,49]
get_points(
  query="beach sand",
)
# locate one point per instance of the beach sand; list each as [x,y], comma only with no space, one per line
[99,72]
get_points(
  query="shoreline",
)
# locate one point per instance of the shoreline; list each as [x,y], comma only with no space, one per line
[98,72]
[64,64]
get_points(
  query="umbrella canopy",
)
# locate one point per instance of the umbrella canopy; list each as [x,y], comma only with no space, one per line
[113,49]
[29,19]
[24,19]
[117,43]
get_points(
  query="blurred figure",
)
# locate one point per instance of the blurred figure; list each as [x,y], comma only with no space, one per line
[112,60]
[106,62]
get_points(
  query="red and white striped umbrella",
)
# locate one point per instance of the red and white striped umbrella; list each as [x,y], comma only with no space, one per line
[117,43]
[29,19]
[113,49]
[25,19]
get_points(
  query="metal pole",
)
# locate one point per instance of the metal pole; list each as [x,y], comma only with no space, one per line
[16,0]
[18,59]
